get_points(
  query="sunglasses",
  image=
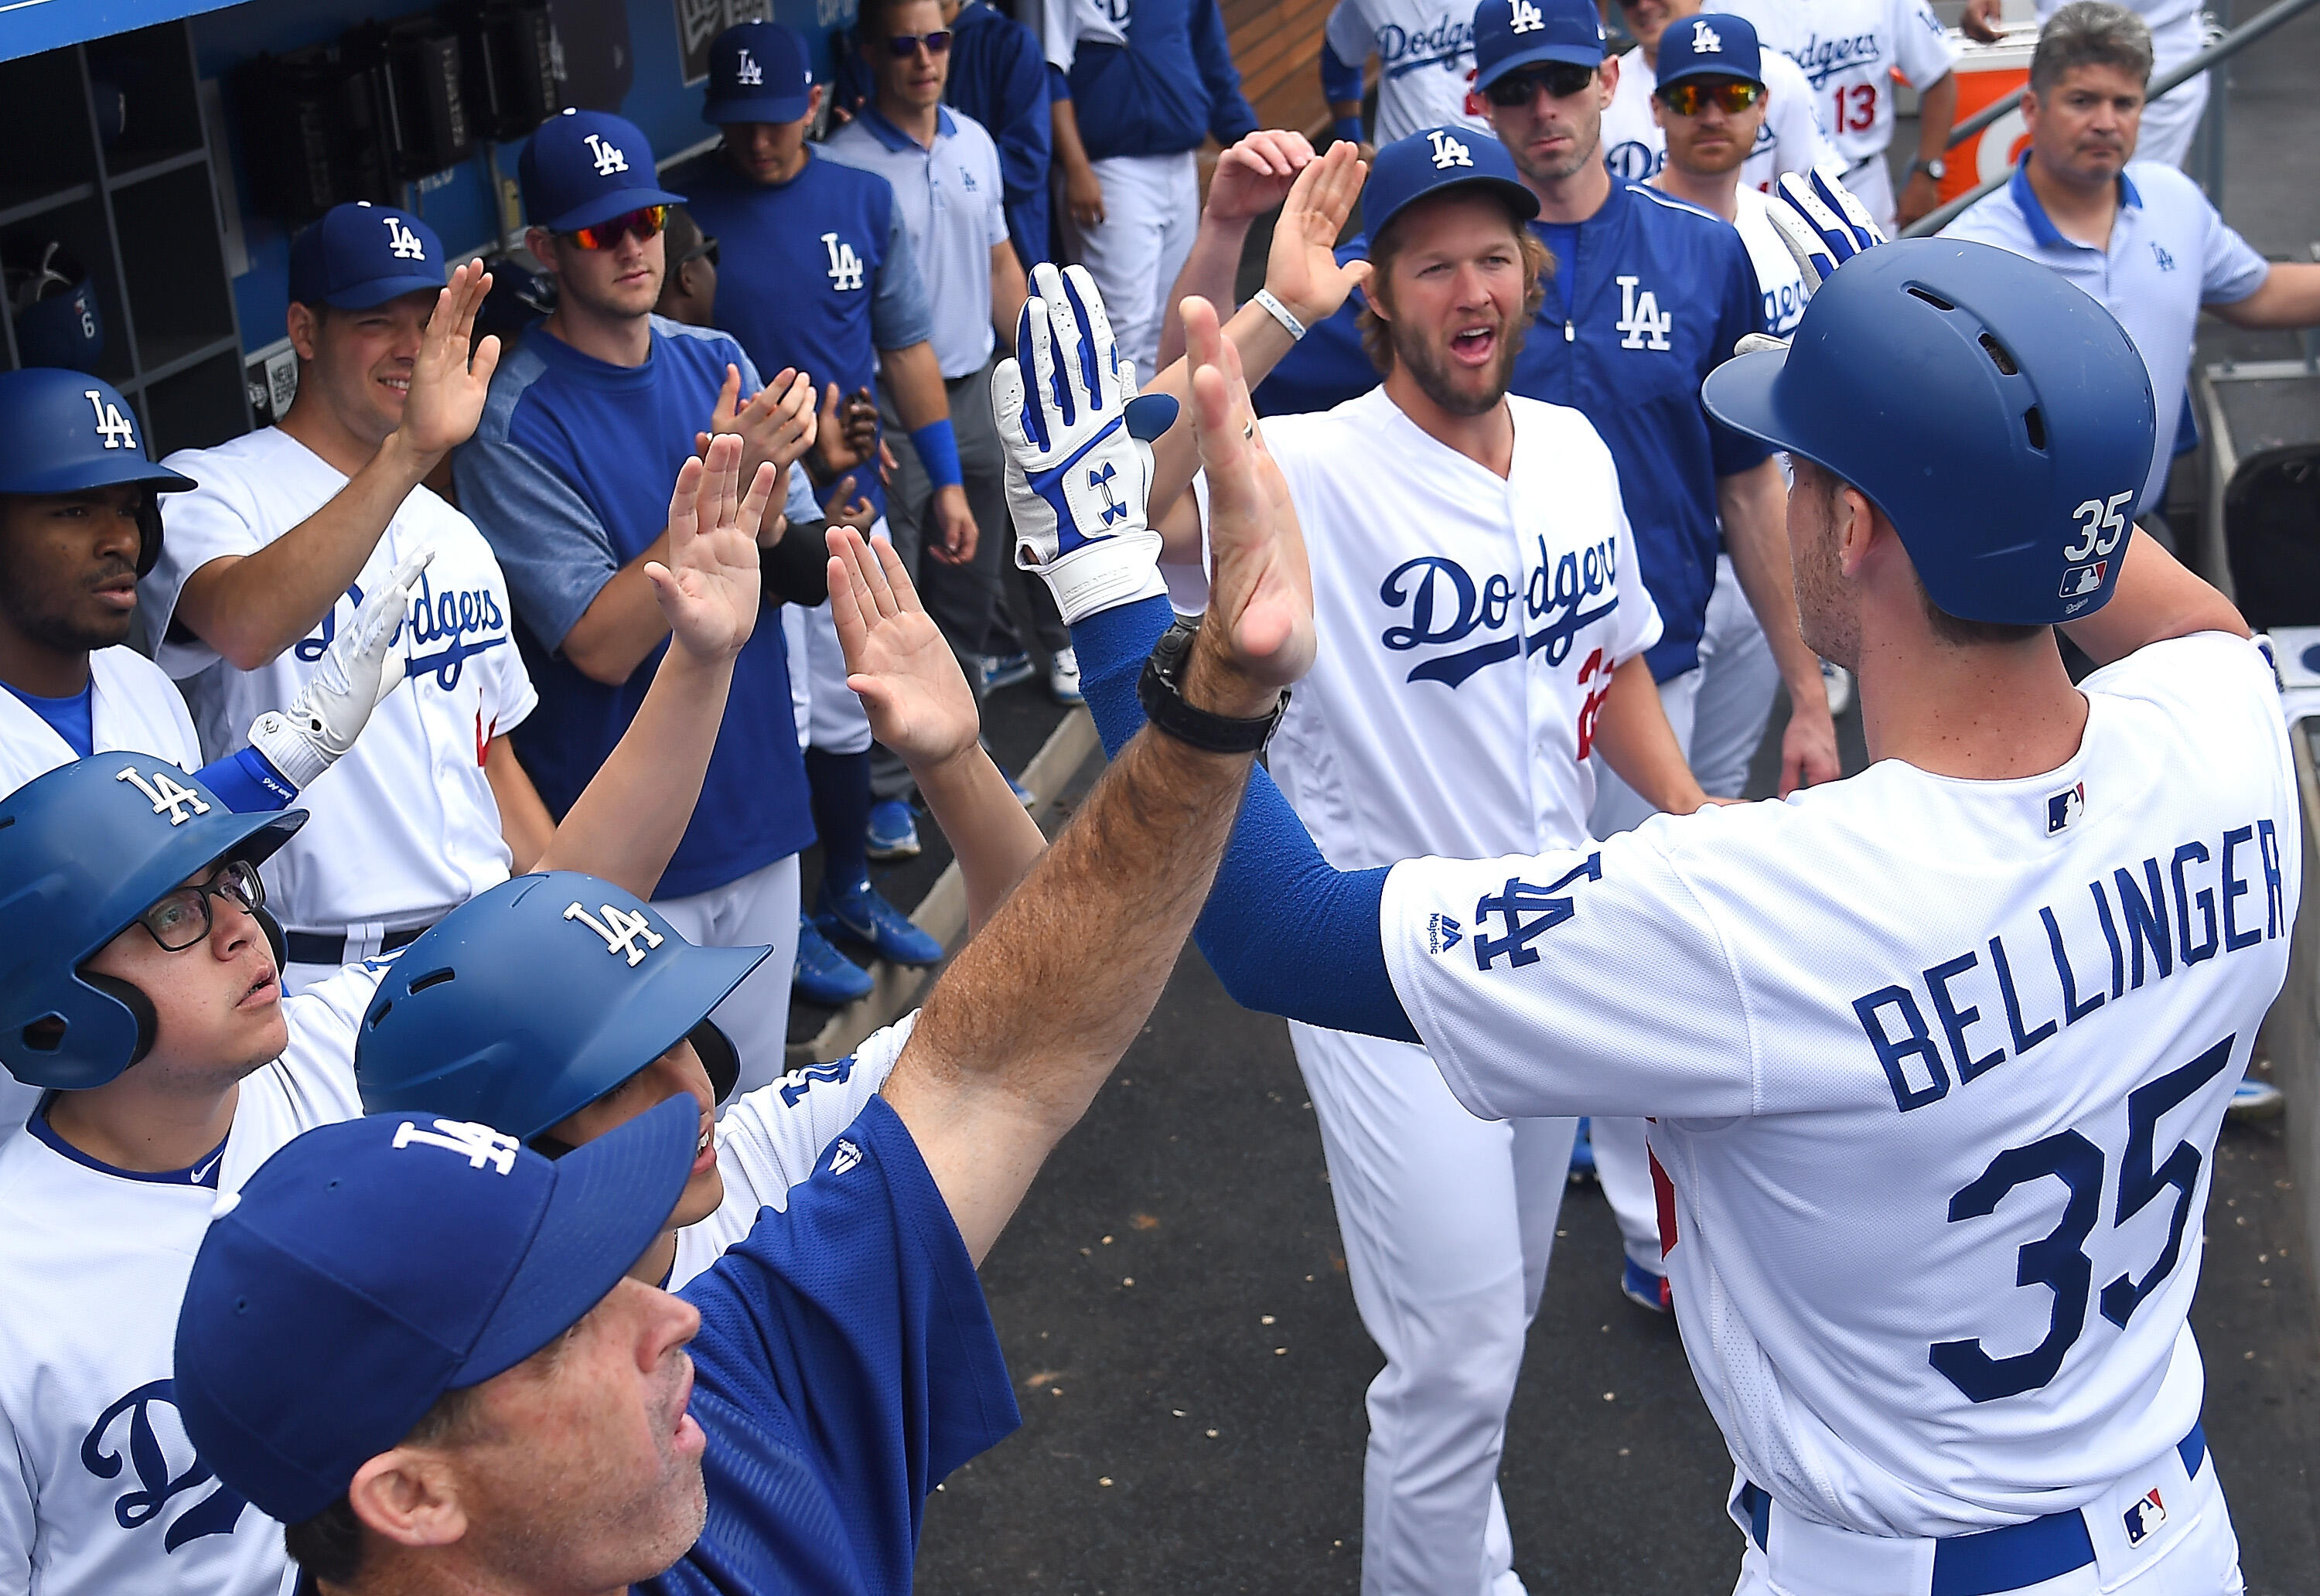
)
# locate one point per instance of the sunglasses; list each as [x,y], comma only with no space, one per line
[706,249]
[1690,97]
[643,222]
[1560,79]
[183,919]
[903,46]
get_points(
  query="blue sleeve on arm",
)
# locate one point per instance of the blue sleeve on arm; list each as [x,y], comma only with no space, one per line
[1286,932]
[1339,82]
[1230,120]
[248,781]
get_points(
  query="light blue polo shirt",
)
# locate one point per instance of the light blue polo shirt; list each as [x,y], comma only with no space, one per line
[953,205]
[2170,253]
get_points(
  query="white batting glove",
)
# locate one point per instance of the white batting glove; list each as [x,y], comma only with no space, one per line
[1822,225]
[354,677]
[1078,468]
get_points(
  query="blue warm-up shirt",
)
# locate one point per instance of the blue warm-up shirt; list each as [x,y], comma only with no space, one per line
[999,77]
[816,273]
[845,1364]
[568,476]
[1147,76]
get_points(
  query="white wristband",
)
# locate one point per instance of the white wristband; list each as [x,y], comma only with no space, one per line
[1280,312]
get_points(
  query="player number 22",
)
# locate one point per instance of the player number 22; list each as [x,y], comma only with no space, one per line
[2058,1260]
[2102,526]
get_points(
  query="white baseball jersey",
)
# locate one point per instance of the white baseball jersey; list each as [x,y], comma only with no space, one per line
[405,827]
[1779,277]
[1938,1066]
[1849,50]
[1789,139]
[1425,62]
[1469,625]
[100,1492]
[768,1140]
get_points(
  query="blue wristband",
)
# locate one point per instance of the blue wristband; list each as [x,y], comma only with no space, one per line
[938,448]
[1349,129]
[248,781]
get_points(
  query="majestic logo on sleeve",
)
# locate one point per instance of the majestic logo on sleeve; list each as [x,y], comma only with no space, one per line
[165,794]
[845,1157]
[405,244]
[620,929]
[1641,319]
[610,156]
[1443,933]
[845,265]
[164,1463]
[1447,605]
[479,1145]
[1525,913]
[1528,18]
[111,425]
[1448,152]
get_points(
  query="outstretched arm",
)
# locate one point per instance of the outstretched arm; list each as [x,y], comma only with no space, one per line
[1251,178]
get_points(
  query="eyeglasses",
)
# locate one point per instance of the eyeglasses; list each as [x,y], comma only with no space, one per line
[643,222]
[1690,96]
[1560,79]
[706,249]
[182,919]
[903,46]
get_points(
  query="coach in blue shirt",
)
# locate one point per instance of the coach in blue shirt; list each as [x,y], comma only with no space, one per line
[587,422]
[2137,235]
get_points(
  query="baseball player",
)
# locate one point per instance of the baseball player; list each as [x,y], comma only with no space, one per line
[1789,133]
[1482,622]
[1938,1054]
[143,998]
[274,548]
[1425,51]
[1850,51]
[779,1424]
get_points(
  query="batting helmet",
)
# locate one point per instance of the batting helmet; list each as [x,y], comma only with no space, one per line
[1999,417]
[84,850]
[533,1000]
[65,431]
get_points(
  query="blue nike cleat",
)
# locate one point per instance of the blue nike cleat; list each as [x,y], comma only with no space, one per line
[994,671]
[824,975]
[1645,1289]
[864,917]
[1583,1155]
[893,830]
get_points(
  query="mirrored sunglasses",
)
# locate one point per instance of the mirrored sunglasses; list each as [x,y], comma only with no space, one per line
[903,46]
[605,235]
[1687,97]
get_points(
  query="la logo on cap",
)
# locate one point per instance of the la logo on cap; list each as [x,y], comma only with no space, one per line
[111,425]
[1448,152]
[1529,18]
[609,156]
[164,792]
[1704,40]
[748,72]
[404,242]
[619,928]
[478,1144]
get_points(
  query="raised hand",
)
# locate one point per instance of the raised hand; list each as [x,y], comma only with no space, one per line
[1302,269]
[845,507]
[707,591]
[778,425]
[448,383]
[1256,175]
[896,660]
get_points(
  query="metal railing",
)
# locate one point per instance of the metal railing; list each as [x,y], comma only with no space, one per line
[2229,45]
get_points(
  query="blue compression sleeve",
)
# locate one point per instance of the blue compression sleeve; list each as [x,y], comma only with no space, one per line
[1287,933]
[1340,82]
[938,447]
[248,781]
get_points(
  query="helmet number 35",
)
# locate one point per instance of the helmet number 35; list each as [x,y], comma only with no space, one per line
[2101,527]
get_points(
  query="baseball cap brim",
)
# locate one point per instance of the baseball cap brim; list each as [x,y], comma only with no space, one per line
[612,1197]
[1519,199]
[76,475]
[603,207]
[1576,55]
[361,297]
[1709,66]
[755,108]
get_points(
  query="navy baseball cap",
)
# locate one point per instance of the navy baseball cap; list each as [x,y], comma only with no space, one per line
[1711,44]
[1434,159]
[360,255]
[371,1265]
[757,72]
[1510,34]
[581,168]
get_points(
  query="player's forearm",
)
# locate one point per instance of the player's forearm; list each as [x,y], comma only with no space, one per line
[1754,506]
[1633,733]
[621,625]
[995,841]
[524,821]
[1937,111]
[917,381]
[1009,290]
[252,608]
[1071,154]
[2155,599]
[1211,268]
[1262,343]
[627,821]
[2289,297]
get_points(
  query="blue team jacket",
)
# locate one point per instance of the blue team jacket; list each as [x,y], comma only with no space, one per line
[1171,86]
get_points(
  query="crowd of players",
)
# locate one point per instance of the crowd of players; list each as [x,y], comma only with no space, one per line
[557,885]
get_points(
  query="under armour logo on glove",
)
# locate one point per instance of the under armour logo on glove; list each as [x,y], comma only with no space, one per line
[1113,510]
[1448,152]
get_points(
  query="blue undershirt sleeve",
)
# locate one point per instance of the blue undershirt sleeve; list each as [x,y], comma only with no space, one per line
[248,781]
[1284,930]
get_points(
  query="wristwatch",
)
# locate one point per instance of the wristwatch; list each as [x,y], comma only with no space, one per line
[1161,691]
[1936,168]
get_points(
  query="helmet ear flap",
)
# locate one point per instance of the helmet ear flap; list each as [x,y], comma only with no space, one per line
[149,533]
[274,939]
[718,1057]
[140,1006]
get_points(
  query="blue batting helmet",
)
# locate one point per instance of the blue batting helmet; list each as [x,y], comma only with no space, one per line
[84,850]
[535,999]
[65,431]
[1999,417]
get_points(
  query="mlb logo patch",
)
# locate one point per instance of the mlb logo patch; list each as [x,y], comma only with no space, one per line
[2065,806]
[1442,933]
[2146,1515]
[2080,580]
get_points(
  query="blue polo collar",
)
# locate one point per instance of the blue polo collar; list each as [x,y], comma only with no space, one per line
[895,139]
[2042,231]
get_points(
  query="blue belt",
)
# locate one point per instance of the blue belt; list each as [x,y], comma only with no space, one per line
[1995,1560]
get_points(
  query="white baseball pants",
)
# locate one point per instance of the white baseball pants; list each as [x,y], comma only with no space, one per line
[2170,121]
[1447,1221]
[759,908]
[1737,680]
[1151,210]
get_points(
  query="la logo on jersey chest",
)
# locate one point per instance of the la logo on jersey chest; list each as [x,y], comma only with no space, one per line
[1641,319]
[845,265]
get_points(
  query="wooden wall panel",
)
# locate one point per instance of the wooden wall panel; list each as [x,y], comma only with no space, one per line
[1277,44]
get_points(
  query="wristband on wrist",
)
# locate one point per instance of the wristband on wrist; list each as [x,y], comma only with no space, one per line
[1349,129]
[1280,312]
[938,447]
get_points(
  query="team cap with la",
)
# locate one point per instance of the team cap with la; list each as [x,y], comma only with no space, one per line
[583,167]
[757,72]
[360,255]
[1512,34]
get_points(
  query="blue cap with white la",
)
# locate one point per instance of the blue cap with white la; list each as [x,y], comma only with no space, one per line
[582,167]
[1433,159]
[371,1265]
[757,72]
[360,255]
[1711,44]
[1510,34]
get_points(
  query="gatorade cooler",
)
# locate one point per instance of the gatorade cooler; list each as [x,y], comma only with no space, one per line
[1988,72]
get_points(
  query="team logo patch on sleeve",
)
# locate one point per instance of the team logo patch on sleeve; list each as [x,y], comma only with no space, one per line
[1525,913]
[2146,1515]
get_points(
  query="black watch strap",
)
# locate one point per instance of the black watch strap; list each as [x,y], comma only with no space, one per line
[1161,691]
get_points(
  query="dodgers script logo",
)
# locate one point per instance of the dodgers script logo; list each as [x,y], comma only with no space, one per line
[1403,50]
[1447,605]
[1634,160]
[845,265]
[165,1465]
[447,628]
[1824,59]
